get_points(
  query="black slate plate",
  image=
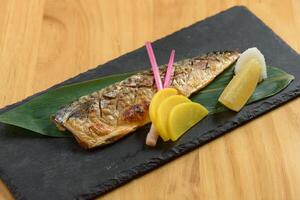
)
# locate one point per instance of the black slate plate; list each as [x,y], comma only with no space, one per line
[57,168]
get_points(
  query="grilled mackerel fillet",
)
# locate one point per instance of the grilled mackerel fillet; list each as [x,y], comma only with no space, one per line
[111,113]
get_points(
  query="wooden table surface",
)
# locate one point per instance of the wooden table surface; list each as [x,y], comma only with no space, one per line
[43,42]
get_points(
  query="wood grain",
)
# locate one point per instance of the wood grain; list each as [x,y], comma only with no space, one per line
[43,42]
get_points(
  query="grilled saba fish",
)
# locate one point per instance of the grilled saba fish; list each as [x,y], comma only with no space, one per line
[112,112]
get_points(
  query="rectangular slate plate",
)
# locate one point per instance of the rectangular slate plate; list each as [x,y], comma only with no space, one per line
[57,168]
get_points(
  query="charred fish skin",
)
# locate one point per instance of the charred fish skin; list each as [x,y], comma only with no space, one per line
[113,112]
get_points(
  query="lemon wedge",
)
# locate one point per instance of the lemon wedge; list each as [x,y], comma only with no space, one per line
[163,112]
[242,86]
[184,116]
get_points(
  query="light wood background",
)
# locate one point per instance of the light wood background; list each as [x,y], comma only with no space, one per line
[43,42]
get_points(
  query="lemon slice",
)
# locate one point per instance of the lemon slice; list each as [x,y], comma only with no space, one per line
[241,87]
[163,113]
[157,99]
[249,58]
[184,116]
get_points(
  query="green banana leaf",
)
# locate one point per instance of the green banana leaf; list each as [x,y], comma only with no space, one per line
[35,114]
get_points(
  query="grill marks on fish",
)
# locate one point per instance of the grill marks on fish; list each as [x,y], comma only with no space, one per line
[112,112]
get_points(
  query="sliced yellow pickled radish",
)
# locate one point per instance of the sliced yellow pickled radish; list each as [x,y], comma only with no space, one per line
[184,116]
[241,87]
[163,112]
[157,99]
